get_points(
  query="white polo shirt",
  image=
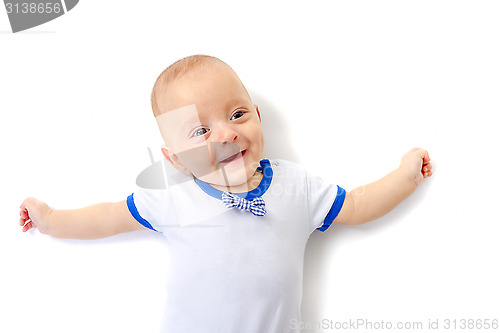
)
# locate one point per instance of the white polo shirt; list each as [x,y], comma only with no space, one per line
[232,271]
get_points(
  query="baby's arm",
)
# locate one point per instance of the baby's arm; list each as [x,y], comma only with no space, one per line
[97,221]
[371,201]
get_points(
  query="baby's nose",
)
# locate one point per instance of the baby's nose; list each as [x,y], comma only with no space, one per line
[225,134]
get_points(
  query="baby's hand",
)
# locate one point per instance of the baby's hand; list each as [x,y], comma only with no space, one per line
[417,163]
[34,214]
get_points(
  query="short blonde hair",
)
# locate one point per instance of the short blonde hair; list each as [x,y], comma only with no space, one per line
[177,69]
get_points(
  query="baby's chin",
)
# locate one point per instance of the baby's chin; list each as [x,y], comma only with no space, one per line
[227,178]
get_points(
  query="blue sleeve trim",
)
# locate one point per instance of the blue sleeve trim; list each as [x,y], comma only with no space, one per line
[133,210]
[334,210]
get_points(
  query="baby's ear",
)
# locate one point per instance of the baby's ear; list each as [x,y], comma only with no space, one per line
[174,160]
[258,112]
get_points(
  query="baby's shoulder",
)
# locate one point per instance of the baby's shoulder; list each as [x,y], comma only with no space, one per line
[278,162]
[289,169]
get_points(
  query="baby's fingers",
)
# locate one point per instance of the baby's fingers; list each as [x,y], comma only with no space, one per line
[426,157]
[23,213]
[23,216]
[28,226]
[427,170]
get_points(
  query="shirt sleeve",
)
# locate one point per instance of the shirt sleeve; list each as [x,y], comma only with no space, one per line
[163,209]
[147,207]
[324,202]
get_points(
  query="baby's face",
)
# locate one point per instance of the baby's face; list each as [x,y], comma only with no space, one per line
[211,127]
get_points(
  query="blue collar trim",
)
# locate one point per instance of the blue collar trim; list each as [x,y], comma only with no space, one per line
[267,177]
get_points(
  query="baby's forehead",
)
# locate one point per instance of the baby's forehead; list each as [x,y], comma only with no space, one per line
[204,91]
[179,115]
[173,93]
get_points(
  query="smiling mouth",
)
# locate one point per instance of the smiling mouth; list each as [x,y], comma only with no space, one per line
[233,157]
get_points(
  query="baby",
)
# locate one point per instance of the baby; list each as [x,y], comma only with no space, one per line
[236,224]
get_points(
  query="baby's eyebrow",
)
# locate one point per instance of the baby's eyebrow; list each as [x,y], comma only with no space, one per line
[235,103]
[181,119]
[190,122]
[186,129]
[193,118]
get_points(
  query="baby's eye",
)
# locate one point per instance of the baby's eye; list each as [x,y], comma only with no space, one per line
[237,114]
[200,131]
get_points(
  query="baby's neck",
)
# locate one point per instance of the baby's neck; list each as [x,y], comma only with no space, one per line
[251,184]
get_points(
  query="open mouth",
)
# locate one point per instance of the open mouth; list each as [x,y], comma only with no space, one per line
[233,157]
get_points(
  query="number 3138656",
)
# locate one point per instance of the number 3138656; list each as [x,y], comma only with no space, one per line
[33,8]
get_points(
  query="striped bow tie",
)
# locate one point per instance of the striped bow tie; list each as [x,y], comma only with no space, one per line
[256,206]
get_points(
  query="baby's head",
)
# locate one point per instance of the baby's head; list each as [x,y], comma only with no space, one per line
[210,126]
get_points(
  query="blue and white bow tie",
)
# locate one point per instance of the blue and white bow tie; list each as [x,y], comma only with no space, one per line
[256,206]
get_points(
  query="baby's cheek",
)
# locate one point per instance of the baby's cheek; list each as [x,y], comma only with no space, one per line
[194,158]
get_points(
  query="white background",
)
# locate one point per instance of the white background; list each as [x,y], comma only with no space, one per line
[345,88]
